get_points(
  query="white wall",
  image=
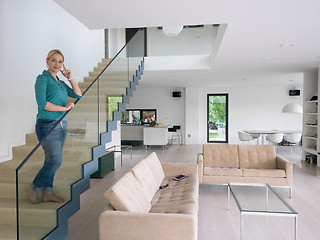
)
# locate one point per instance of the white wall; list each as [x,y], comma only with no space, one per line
[170,110]
[192,134]
[29,30]
[250,107]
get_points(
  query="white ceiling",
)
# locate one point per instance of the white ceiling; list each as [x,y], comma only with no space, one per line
[265,40]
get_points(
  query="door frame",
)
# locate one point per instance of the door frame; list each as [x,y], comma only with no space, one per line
[227,117]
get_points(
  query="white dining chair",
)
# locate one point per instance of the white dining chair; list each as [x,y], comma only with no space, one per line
[275,138]
[245,137]
[256,137]
[292,138]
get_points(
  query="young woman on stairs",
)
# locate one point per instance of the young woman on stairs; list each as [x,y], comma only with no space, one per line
[51,96]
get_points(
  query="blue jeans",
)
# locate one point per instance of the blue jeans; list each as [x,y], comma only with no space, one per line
[52,147]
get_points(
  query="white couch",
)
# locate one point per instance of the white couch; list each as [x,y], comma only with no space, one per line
[139,210]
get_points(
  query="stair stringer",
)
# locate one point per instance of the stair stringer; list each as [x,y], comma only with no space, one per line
[77,188]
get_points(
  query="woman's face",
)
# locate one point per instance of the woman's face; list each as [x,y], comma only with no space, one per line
[55,63]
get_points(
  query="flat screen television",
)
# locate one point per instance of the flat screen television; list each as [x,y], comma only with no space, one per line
[139,116]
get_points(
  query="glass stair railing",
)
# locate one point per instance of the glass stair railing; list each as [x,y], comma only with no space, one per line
[105,94]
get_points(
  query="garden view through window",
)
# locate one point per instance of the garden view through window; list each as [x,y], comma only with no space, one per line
[217,114]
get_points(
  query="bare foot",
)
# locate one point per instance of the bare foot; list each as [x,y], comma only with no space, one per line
[48,196]
[33,195]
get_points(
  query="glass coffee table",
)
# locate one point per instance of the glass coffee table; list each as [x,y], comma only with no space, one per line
[260,199]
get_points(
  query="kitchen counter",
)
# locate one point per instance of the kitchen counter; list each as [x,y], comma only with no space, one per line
[157,135]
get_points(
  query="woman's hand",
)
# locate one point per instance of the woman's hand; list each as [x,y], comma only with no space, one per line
[69,106]
[56,108]
[66,72]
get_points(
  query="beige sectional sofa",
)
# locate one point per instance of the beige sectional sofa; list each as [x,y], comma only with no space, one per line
[223,163]
[139,210]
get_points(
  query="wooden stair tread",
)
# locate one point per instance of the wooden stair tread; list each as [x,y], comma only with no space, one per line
[9,232]
[25,204]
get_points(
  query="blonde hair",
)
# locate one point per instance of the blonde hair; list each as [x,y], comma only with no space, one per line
[54,51]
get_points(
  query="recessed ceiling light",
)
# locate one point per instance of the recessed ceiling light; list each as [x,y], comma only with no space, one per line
[287,45]
[266,58]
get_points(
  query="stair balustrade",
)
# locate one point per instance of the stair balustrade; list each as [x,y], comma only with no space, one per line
[90,125]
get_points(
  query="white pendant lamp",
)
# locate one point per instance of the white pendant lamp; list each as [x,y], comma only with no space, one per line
[292,108]
[172,31]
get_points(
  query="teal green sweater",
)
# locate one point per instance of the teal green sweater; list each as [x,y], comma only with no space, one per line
[47,89]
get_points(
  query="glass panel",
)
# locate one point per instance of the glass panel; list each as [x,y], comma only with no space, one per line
[217,118]
[85,122]
[135,52]
[113,84]
[259,198]
[116,78]
[83,131]
[37,220]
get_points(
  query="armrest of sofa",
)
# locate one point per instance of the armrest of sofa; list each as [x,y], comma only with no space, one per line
[284,164]
[174,169]
[200,166]
[146,226]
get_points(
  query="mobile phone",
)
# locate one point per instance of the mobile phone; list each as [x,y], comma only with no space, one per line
[180,177]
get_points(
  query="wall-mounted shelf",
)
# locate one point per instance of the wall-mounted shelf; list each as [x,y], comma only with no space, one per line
[311,137]
[311,113]
[312,125]
[311,150]
[311,131]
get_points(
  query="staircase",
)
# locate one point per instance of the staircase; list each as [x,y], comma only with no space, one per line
[89,130]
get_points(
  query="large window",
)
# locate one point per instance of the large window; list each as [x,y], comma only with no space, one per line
[217,118]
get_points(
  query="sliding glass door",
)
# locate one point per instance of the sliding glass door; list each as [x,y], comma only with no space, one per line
[217,118]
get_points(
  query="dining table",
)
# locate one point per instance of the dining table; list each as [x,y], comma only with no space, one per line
[266,132]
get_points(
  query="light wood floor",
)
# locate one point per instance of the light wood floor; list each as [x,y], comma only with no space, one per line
[215,222]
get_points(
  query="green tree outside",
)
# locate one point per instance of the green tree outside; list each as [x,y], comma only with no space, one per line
[217,118]
[217,109]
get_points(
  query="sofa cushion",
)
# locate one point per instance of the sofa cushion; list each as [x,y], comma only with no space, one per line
[143,173]
[128,195]
[273,173]
[257,156]
[222,171]
[220,155]
[185,208]
[179,197]
[156,168]
[210,179]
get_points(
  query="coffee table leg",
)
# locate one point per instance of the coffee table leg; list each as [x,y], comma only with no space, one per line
[296,227]
[241,226]
[228,198]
